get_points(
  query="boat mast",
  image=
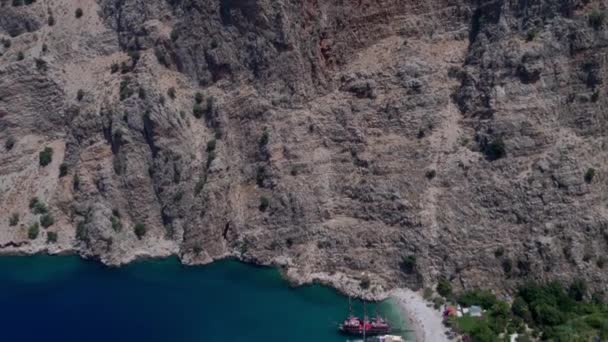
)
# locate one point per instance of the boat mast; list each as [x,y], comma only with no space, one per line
[364,320]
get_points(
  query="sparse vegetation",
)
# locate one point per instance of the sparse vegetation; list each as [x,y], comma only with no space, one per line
[81,231]
[174,35]
[211,145]
[78,13]
[421,134]
[264,139]
[261,175]
[160,56]
[198,97]
[76,183]
[63,170]
[365,283]
[33,231]
[140,230]
[51,237]
[444,288]
[178,196]
[408,264]
[595,96]
[264,203]
[209,108]
[495,149]
[125,90]
[47,220]
[116,223]
[210,158]
[198,111]
[46,156]
[601,262]
[427,293]
[135,55]
[596,19]
[507,266]
[500,251]
[430,174]
[589,174]
[14,220]
[531,34]
[38,207]
[114,68]
[9,143]
[438,302]
[218,133]
[171,93]
[198,187]
[41,64]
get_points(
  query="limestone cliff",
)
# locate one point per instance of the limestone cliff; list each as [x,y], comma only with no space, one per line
[366,143]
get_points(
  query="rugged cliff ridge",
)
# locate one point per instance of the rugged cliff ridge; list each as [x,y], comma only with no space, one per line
[368,144]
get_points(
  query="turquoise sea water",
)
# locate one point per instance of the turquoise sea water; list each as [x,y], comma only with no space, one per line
[51,298]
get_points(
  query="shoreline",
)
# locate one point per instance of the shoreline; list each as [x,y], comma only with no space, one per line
[423,320]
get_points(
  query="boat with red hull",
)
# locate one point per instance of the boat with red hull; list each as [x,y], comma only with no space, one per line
[356,326]
[364,327]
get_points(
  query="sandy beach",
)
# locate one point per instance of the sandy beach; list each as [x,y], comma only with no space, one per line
[425,321]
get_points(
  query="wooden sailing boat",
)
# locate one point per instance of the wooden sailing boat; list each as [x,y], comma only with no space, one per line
[356,326]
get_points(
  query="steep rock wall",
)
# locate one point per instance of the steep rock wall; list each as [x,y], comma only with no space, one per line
[382,143]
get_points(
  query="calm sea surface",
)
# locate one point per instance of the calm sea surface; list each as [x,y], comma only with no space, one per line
[51,298]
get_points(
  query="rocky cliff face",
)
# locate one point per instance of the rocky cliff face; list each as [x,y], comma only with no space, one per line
[368,144]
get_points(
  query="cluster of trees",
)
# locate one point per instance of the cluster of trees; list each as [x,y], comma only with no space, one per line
[548,312]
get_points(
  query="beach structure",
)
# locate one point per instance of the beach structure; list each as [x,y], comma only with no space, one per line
[450,311]
[475,311]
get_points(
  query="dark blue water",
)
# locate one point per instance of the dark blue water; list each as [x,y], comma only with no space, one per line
[44,298]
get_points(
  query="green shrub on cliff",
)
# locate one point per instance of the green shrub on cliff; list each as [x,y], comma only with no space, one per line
[47,220]
[444,287]
[46,156]
[264,203]
[140,230]
[33,231]
[171,93]
[37,206]
[63,170]
[51,237]
[198,97]
[596,19]
[197,111]
[9,143]
[116,223]
[14,220]
[495,149]
[589,175]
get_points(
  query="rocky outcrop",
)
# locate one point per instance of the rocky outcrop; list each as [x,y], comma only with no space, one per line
[365,144]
